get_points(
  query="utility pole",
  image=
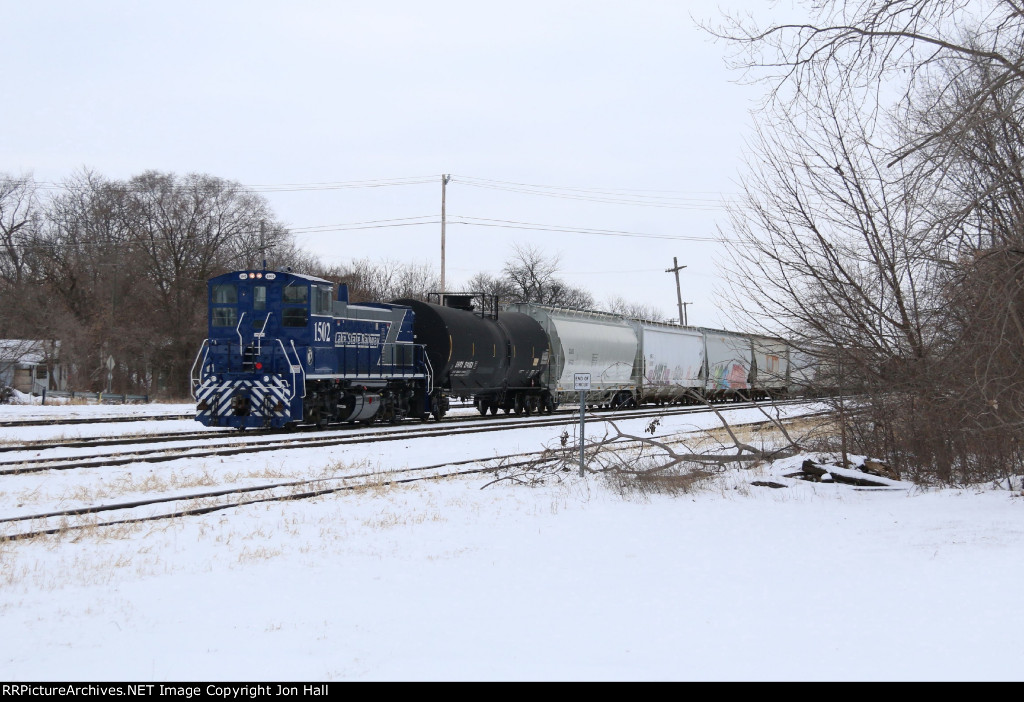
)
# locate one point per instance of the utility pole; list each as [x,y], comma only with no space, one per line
[686,320]
[679,296]
[263,242]
[444,182]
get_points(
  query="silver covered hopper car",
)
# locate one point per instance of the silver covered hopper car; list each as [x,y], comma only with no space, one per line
[603,345]
[669,365]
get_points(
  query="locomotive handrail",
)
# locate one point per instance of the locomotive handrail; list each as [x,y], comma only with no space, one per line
[261,333]
[193,379]
[291,368]
[301,369]
[238,330]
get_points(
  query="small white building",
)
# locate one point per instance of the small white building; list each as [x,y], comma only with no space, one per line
[31,366]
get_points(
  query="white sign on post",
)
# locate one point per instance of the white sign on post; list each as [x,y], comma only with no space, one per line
[581,381]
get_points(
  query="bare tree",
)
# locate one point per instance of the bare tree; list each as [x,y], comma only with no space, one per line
[531,276]
[124,266]
[381,281]
[634,310]
[185,230]
[882,217]
[832,247]
[491,285]
[20,221]
[835,252]
[885,50]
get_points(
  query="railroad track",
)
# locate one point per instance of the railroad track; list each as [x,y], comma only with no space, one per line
[92,420]
[208,433]
[250,443]
[209,500]
[216,500]
[203,502]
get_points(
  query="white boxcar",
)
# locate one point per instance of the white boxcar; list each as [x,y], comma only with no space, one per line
[730,363]
[603,345]
[669,362]
[771,367]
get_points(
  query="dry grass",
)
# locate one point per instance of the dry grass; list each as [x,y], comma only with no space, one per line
[764,435]
[129,484]
[257,553]
[681,482]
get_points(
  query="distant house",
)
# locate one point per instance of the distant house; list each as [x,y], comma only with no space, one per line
[31,366]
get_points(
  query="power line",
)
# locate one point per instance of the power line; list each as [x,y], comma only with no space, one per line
[622,196]
[531,226]
[256,188]
[369,224]
[298,187]
[464,220]
[500,224]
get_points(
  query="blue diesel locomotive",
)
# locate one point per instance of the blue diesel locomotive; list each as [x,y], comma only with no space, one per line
[283,349]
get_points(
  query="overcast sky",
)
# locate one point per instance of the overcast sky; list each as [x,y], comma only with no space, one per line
[598,102]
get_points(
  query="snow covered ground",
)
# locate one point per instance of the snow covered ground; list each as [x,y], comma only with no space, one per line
[570,581]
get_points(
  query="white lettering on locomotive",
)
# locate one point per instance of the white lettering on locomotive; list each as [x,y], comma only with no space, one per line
[322,331]
[356,339]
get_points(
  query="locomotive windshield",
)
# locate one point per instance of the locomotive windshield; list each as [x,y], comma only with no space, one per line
[259,307]
[224,305]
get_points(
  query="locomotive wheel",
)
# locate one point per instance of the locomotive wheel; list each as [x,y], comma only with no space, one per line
[437,410]
[481,407]
[518,402]
[494,408]
[416,410]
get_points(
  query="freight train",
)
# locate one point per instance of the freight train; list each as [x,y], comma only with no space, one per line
[285,349]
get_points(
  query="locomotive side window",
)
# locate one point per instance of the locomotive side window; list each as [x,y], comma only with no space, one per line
[322,300]
[296,293]
[293,316]
[220,297]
